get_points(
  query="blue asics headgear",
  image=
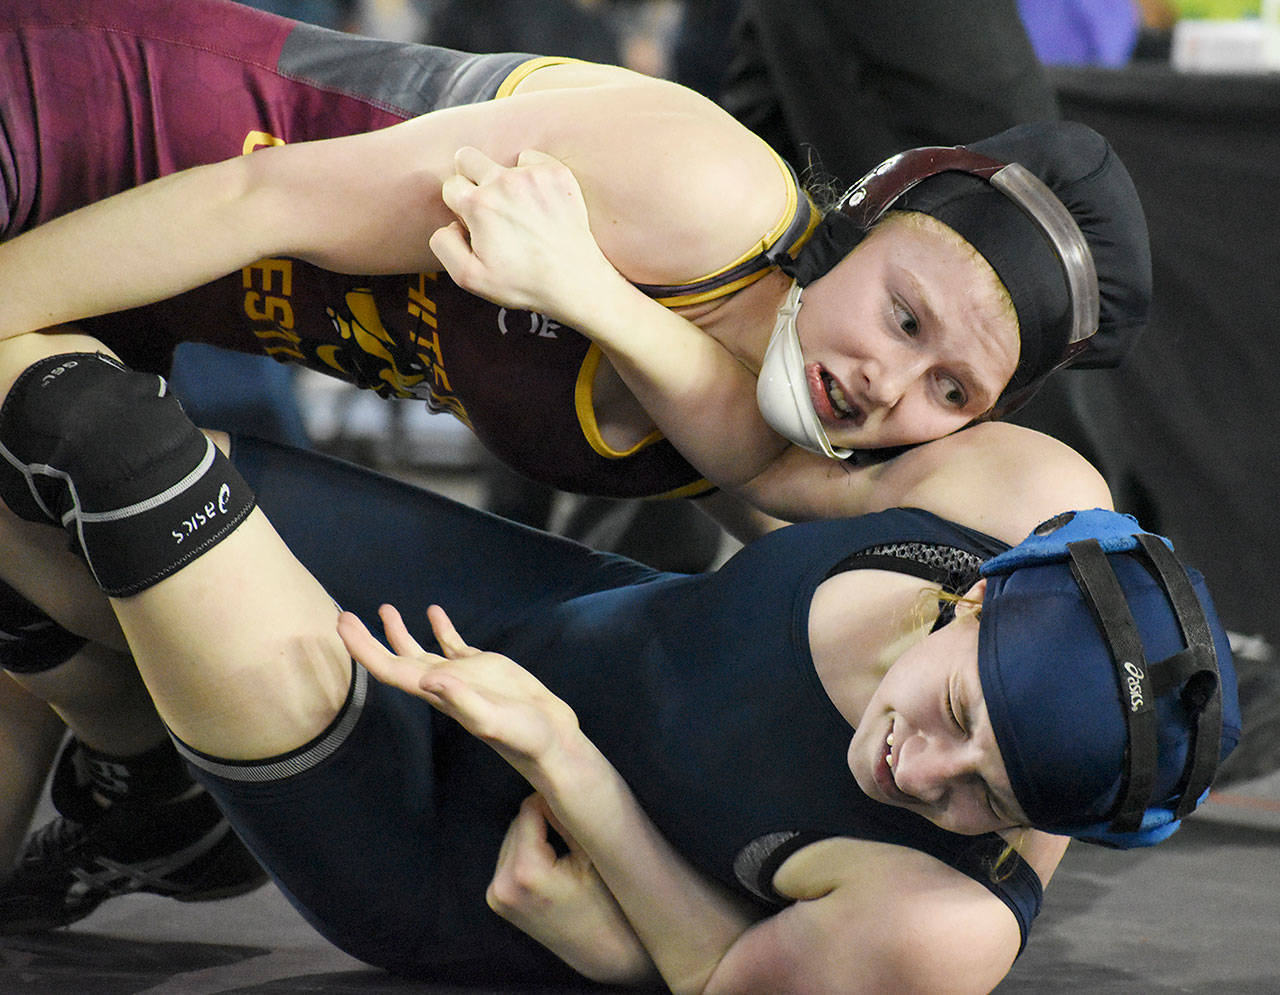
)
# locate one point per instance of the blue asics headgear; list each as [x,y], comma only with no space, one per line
[1107,677]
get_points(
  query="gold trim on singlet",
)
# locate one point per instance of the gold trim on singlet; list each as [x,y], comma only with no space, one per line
[696,489]
[584,403]
[772,235]
[585,406]
[523,71]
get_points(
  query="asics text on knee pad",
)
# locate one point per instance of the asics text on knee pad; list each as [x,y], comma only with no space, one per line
[109,454]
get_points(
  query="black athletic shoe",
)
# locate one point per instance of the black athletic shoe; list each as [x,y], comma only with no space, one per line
[185,849]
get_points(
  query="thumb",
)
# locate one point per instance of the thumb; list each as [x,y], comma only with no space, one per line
[451,245]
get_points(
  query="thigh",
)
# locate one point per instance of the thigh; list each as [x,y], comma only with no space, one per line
[371,540]
[35,558]
[365,837]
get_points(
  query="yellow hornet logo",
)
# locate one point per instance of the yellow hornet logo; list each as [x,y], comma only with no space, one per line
[359,323]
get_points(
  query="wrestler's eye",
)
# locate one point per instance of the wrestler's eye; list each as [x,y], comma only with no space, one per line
[905,319]
[952,392]
[953,711]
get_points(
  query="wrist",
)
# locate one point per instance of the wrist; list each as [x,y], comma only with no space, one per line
[578,778]
[597,300]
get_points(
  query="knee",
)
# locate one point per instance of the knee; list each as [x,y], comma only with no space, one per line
[21,351]
[109,454]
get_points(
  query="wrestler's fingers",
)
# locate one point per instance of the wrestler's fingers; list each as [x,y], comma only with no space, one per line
[528,830]
[398,634]
[455,191]
[453,694]
[451,245]
[387,667]
[536,801]
[535,157]
[470,162]
[452,644]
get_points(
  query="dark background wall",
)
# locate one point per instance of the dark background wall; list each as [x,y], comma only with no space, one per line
[1186,430]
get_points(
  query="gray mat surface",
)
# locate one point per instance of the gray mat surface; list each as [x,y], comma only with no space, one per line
[1200,913]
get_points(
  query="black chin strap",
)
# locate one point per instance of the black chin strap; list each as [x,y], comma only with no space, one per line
[1194,670]
[1106,600]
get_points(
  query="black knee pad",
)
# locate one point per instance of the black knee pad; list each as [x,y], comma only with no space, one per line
[110,455]
[30,641]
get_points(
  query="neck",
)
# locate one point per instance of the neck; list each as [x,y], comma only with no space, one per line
[860,622]
[743,321]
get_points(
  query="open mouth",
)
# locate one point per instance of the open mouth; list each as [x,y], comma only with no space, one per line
[829,398]
[884,771]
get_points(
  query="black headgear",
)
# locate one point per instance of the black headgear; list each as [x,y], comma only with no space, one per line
[1050,207]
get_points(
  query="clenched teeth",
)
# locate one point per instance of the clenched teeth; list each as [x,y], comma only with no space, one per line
[838,400]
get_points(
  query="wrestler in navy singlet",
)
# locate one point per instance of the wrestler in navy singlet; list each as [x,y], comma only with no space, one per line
[173,85]
[699,688]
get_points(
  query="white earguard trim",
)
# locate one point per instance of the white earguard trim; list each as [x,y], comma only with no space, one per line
[782,390]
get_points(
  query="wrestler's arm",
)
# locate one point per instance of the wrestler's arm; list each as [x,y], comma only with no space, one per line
[866,916]
[684,921]
[526,239]
[1000,478]
[368,203]
[870,916]
[559,899]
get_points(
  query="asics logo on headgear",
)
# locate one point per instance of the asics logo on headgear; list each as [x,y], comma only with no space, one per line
[1133,679]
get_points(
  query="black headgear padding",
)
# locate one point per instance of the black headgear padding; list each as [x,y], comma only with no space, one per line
[1022,257]
[1086,175]
[1083,170]
[1106,600]
[1194,670]
[1198,666]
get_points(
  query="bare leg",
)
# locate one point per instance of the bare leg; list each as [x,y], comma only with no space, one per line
[29,737]
[238,648]
[100,697]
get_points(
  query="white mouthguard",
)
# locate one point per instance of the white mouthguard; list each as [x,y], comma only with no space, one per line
[782,390]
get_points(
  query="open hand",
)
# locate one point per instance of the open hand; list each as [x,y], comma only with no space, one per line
[493,697]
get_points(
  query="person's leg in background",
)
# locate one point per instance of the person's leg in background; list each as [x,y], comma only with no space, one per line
[843,86]
[30,732]
[130,817]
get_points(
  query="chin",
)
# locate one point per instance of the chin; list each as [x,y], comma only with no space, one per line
[860,768]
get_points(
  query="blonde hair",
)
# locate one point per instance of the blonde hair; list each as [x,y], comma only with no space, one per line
[931,599]
[1004,865]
